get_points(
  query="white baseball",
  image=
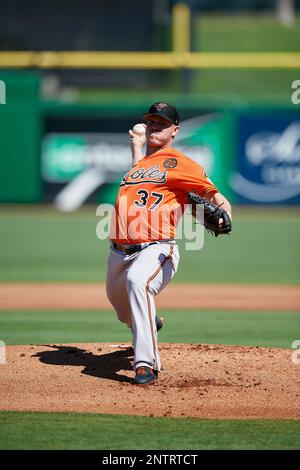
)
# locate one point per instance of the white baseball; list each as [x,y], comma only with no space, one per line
[139,129]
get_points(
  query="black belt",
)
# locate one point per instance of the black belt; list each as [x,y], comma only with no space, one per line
[129,250]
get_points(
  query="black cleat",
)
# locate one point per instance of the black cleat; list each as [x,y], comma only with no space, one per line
[144,375]
[159,322]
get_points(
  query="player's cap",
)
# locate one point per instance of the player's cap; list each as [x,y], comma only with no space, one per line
[164,110]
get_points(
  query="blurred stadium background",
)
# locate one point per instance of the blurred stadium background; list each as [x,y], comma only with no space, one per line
[74,77]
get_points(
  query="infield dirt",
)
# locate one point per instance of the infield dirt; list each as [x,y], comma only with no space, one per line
[34,296]
[197,380]
[201,381]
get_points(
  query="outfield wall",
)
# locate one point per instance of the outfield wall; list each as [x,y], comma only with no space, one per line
[75,153]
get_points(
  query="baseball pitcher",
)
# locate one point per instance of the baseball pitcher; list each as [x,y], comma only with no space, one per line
[143,253]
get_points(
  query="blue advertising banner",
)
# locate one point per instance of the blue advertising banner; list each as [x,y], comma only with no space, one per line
[268,158]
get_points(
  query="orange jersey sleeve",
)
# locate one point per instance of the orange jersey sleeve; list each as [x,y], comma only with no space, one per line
[188,176]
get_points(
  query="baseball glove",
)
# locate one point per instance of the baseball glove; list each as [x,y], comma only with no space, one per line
[211,215]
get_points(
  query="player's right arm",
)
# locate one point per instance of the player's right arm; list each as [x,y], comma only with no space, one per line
[136,145]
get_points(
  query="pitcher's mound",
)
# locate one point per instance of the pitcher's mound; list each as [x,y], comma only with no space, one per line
[202,381]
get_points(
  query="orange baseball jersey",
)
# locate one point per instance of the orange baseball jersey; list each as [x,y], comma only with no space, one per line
[153,195]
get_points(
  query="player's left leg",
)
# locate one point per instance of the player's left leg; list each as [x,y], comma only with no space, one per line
[147,275]
[116,286]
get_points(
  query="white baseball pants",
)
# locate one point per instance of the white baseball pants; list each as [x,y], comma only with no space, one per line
[131,285]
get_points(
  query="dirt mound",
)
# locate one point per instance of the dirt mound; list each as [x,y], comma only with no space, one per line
[203,381]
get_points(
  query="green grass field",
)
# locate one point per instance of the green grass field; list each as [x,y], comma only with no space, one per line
[93,431]
[41,245]
[265,329]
